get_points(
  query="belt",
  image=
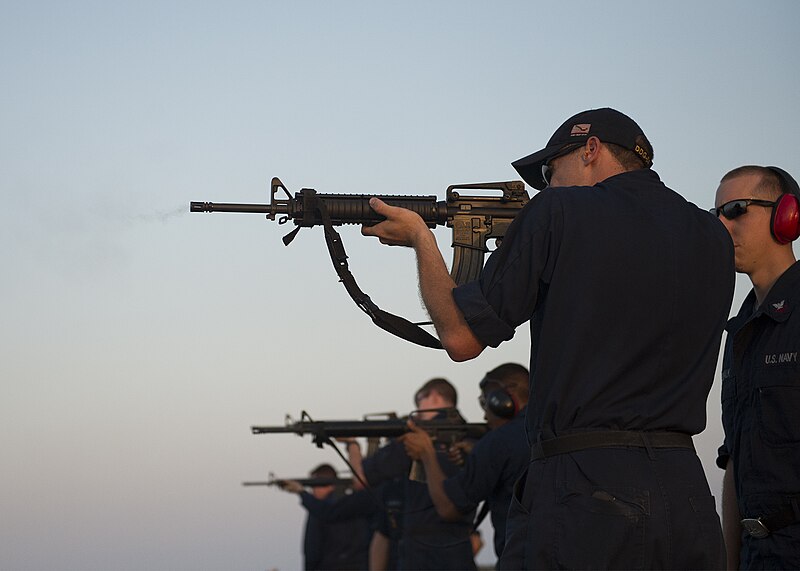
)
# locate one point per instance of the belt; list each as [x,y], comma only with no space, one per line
[609,438]
[760,527]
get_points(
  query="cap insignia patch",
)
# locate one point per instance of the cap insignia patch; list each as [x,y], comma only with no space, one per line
[580,129]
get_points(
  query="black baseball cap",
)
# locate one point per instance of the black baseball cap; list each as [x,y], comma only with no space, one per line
[608,125]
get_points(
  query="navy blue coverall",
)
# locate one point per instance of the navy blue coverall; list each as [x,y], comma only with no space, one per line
[427,541]
[760,404]
[337,531]
[627,287]
[489,473]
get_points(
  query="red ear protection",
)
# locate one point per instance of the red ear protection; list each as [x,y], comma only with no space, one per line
[785,223]
[786,219]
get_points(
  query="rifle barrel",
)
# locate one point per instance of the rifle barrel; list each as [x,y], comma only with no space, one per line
[275,429]
[234,207]
[305,482]
[371,428]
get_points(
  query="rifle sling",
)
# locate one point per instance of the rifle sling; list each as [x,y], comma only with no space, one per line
[394,324]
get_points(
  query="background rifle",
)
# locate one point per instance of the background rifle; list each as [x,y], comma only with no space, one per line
[448,430]
[305,482]
[474,219]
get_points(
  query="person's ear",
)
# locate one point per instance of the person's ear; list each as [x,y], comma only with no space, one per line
[590,150]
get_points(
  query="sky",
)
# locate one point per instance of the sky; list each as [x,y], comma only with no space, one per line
[140,342]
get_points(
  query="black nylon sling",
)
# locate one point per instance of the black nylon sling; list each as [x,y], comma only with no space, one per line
[394,324]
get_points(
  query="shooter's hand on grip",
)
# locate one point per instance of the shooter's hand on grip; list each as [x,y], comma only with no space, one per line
[417,442]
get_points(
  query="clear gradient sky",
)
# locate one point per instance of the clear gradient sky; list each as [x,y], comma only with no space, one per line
[139,342]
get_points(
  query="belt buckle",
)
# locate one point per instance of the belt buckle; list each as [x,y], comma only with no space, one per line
[755,527]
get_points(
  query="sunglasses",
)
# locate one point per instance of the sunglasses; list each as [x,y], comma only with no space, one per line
[735,208]
[547,170]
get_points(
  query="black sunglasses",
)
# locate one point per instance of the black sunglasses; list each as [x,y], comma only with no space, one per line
[547,170]
[735,208]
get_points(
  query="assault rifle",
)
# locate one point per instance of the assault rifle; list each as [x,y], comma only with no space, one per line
[474,219]
[449,430]
[305,482]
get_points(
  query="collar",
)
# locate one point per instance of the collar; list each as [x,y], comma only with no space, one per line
[779,304]
[643,175]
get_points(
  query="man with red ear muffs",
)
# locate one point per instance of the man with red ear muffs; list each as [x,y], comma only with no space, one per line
[760,207]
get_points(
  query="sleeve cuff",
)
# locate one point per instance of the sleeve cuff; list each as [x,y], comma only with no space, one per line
[480,316]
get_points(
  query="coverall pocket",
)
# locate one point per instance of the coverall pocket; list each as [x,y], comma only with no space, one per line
[602,527]
[778,394]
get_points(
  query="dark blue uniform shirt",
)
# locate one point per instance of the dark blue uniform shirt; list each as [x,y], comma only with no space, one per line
[427,541]
[489,473]
[760,407]
[336,536]
[380,507]
[627,287]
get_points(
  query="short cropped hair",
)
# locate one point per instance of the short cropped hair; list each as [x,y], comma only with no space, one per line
[441,386]
[629,160]
[323,471]
[511,376]
[769,185]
